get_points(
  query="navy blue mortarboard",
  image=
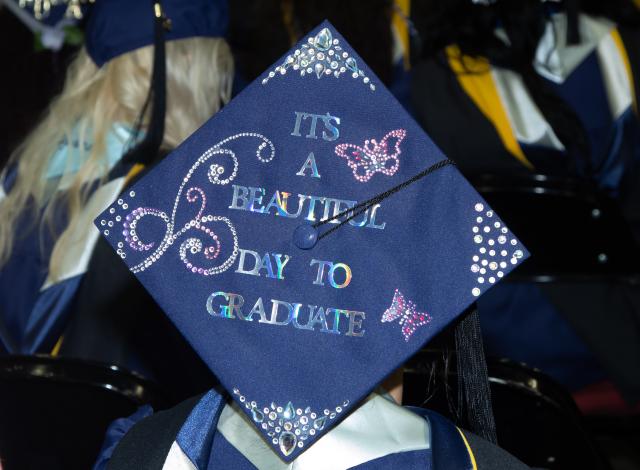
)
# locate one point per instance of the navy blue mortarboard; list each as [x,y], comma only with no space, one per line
[308,240]
[119,26]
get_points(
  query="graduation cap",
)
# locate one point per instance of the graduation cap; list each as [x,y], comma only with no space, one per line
[116,27]
[46,19]
[51,11]
[308,240]
[119,26]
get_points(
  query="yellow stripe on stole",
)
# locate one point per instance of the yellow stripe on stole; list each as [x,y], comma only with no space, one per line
[400,24]
[617,39]
[471,456]
[475,78]
[56,349]
[135,169]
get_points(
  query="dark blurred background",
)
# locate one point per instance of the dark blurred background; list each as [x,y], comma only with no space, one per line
[563,335]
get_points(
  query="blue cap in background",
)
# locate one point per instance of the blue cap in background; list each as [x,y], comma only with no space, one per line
[115,27]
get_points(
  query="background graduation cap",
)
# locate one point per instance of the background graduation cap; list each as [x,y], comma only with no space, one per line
[53,23]
[115,27]
[309,239]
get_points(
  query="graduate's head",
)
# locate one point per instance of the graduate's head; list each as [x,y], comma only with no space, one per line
[108,83]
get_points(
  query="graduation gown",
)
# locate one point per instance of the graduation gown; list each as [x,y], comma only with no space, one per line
[206,432]
[577,332]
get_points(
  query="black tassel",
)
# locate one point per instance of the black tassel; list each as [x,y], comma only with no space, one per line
[474,395]
[147,150]
[572,8]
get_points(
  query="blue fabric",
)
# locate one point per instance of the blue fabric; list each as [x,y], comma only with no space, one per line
[313,330]
[22,304]
[196,436]
[20,281]
[116,431]
[614,143]
[49,316]
[584,91]
[118,26]
[55,14]
[31,320]
[519,322]
[9,176]
[208,449]
[623,155]
[414,460]
[448,448]
[22,275]
[224,455]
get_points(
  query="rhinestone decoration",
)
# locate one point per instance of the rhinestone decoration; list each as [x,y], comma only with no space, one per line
[493,250]
[373,157]
[405,311]
[321,56]
[222,172]
[286,426]
[41,8]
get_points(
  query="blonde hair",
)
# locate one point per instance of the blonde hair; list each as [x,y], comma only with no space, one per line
[199,79]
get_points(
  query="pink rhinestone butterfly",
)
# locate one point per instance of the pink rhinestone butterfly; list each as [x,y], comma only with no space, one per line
[405,310]
[373,157]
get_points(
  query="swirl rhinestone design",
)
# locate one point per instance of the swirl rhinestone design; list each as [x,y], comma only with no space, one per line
[219,172]
[322,56]
[496,249]
[286,426]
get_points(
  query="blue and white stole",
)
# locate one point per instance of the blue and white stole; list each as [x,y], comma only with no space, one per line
[56,295]
[377,431]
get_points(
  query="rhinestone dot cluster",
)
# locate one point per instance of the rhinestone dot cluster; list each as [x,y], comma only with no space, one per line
[496,248]
[289,427]
[322,56]
[115,217]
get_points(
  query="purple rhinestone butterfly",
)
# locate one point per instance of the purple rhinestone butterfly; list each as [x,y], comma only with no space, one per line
[405,310]
[373,157]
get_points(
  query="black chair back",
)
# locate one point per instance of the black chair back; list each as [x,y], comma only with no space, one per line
[54,411]
[573,230]
[536,419]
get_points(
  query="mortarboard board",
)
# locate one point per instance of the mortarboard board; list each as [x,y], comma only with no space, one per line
[309,239]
